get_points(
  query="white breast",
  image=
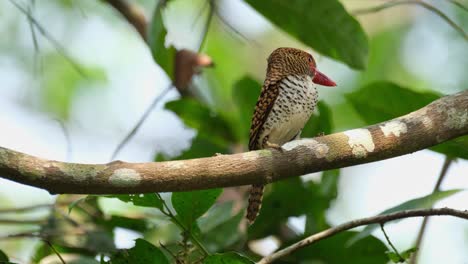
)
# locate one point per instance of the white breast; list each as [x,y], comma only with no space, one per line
[292,109]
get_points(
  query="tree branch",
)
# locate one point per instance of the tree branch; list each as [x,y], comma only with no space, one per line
[414,257]
[379,219]
[133,14]
[442,120]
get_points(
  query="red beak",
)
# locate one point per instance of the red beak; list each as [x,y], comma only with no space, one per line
[322,79]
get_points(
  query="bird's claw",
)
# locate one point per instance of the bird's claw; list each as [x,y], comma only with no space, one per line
[273,146]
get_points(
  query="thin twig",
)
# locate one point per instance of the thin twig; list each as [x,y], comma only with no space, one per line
[199,14]
[233,29]
[61,50]
[142,119]
[207,25]
[33,35]
[460,5]
[176,221]
[416,2]
[55,251]
[422,230]
[360,222]
[66,135]
[400,258]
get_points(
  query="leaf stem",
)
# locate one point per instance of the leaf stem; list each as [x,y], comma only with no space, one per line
[176,221]
[400,258]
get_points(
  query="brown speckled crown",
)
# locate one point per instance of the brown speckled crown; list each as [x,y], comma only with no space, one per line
[289,61]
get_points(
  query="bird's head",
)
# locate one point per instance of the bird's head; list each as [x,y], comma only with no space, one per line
[291,61]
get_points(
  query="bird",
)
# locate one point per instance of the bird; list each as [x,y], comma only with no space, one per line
[286,102]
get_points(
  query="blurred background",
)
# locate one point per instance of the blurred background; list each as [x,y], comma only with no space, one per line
[74,92]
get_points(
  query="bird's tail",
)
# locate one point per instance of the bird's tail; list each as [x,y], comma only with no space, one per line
[255,202]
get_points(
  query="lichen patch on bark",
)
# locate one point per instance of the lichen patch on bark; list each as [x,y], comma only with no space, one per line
[456,119]
[320,150]
[360,141]
[395,128]
[125,177]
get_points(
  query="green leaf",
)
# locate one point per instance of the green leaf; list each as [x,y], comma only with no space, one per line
[201,147]
[323,25]
[227,258]
[455,148]
[424,202]
[333,250]
[140,225]
[198,116]
[143,253]
[321,122]
[224,234]
[3,257]
[322,195]
[145,200]
[61,82]
[245,94]
[217,215]
[405,255]
[164,56]
[191,205]
[381,101]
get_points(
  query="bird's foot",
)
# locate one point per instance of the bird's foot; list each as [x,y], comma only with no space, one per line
[273,146]
[321,134]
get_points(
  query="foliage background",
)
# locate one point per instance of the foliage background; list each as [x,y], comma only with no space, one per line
[408,46]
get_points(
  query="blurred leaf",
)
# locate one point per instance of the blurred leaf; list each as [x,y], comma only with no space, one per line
[321,122]
[140,225]
[143,253]
[62,81]
[382,101]
[424,202]
[201,147]
[164,56]
[224,234]
[333,251]
[227,258]
[245,94]
[455,148]
[405,255]
[322,195]
[100,241]
[3,257]
[198,116]
[323,25]
[191,205]
[143,199]
[217,215]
